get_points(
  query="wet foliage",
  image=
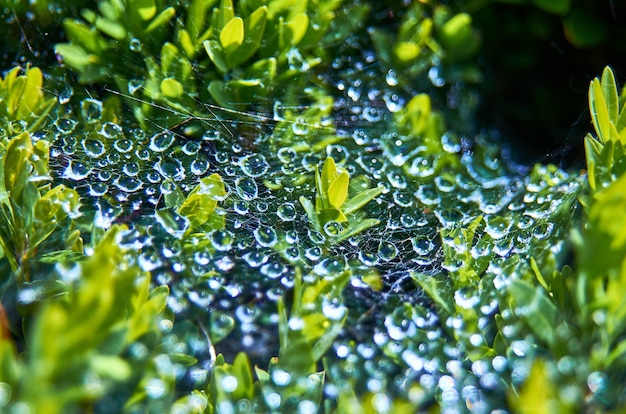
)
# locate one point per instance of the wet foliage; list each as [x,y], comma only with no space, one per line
[274,206]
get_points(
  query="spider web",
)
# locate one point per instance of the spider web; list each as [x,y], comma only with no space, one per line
[238,273]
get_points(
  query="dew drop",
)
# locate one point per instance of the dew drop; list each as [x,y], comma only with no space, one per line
[391,78]
[265,236]
[128,184]
[254,165]
[111,130]
[287,155]
[91,109]
[76,171]
[286,212]
[93,147]
[65,95]
[199,166]
[246,188]
[65,125]
[191,147]
[134,85]
[135,45]
[222,240]
[123,145]
[161,142]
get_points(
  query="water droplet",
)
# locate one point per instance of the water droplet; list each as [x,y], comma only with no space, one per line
[76,171]
[222,240]
[435,77]
[91,109]
[287,155]
[155,388]
[128,184]
[543,230]
[246,188]
[199,166]
[286,212]
[396,180]
[191,147]
[387,251]
[134,45]
[372,114]
[254,165]
[421,167]
[161,142]
[131,169]
[299,126]
[265,236]
[497,226]
[281,378]
[422,245]
[393,102]
[391,78]
[93,147]
[65,125]
[98,189]
[111,130]
[466,297]
[333,229]
[17,127]
[134,85]
[255,258]
[427,195]
[333,308]
[313,253]
[65,95]
[170,168]
[329,267]
[273,270]
[123,145]
[172,222]
[444,184]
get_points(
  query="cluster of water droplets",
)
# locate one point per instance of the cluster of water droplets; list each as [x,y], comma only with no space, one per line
[230,278]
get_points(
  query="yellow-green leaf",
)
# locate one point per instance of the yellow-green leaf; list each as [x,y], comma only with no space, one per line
[171,88]
[145,8]
[231,36]
[338,190]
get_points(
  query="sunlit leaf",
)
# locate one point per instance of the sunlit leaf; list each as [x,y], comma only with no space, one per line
[231,36]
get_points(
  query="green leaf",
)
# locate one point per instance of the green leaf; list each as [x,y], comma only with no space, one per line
[145,8]
[216,54]
[361,199]
[202,200]
[357,228]
[406,52]
[605,235]
[243,372]
[593,149]
[438,290]
[111,28]
[533,305]
[309,208]
[161,20]
[171,88]
[329,172]
[109,366]
[609,91]
[231,36]
[83,36]
[186,43]
[225,13]
[254,27]
[297,26]
[338,190]
[560,7]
